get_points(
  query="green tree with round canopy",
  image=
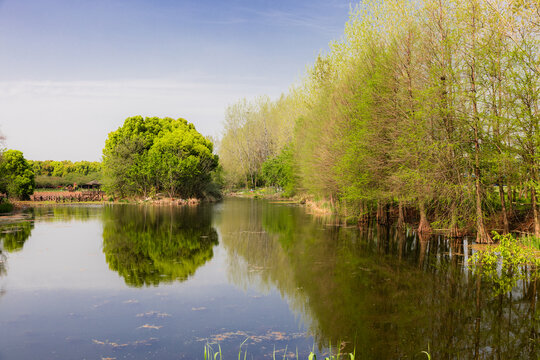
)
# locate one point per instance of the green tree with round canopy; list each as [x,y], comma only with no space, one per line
[17,176]
[153,154]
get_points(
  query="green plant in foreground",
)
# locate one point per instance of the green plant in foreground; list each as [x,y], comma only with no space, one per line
[210,354]
[516,263]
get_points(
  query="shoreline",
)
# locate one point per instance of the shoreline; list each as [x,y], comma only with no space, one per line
[314,207]
[324,208]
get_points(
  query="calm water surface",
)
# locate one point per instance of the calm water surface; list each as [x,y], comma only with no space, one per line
[136,282]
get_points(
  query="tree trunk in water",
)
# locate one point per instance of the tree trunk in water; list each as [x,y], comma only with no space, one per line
[401,216]
[423,240]
[382,217]
[477,320]
[364,215]
[535,212]
[332,203]
[423,227]
[454,231]
[482,235]
[503,208]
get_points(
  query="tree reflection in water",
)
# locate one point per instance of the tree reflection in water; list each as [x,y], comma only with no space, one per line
[12,239]
[387,294]
[148,245]
[14,235]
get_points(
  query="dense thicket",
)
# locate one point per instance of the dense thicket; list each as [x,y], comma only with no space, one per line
[432,105]
[150,155]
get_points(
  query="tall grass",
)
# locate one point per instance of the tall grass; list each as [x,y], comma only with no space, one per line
[531,241]
[214,354]
[211,354]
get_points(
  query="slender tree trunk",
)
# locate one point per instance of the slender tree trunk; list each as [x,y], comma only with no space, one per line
[382,216]
[534,201]
[401,216]
[423,240]
[364,216]
[482,236]
[510,196]
[477,321]
[423,227]
[454,231]
[503,207]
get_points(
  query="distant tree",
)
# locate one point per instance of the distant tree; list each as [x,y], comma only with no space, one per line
[279,170]
[153,154]
[2,175]
[17,175]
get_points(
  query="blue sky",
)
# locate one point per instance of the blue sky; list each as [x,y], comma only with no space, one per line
[71,71]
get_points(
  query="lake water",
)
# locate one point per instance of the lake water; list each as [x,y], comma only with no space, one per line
[143,282]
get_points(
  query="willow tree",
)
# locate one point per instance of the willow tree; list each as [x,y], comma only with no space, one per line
[247,140]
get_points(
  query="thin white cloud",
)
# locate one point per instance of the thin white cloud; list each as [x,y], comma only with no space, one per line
[71,119]
[319,23]
[118,88]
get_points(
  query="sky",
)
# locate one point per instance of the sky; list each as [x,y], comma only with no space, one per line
[71,71]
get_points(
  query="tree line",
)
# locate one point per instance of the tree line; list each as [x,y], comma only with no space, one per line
[431,105]
[63,168]
[53,174]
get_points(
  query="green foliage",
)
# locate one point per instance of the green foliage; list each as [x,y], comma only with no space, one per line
[148,155]
[50,182]
[279,171]
[63,168]
[17,177]
[5,206]
[504,265]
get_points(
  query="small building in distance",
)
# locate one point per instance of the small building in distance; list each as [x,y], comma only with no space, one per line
[92,185]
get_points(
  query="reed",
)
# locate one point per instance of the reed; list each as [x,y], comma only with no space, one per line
[213,354]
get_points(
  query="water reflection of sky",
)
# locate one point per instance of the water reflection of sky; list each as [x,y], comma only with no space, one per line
[62,301]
